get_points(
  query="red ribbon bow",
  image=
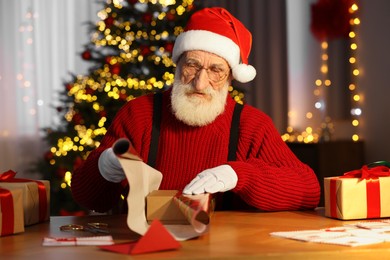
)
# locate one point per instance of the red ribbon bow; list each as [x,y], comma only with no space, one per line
[6,176]
[367,173]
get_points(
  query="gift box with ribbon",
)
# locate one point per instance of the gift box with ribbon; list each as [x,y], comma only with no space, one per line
[35,196]
[359,194]
[11,211]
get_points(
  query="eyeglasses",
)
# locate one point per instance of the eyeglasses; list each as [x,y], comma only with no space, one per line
[192,69]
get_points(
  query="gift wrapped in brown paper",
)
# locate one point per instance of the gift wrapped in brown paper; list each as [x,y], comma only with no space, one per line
[358,194]
[173,207]
[11,211]
[35,196]
[184,216]
[160,205]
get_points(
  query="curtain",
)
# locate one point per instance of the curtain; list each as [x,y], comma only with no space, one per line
[39,45]
[266,19]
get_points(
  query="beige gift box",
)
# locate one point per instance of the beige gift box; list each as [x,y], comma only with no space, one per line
[17,226]
[30,200]
[349,198]
[160,205]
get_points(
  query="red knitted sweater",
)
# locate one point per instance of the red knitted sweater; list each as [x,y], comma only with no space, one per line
[270,177]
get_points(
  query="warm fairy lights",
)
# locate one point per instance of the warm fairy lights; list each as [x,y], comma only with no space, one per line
[132,40]
[105,80]
[321,85]
[356,110]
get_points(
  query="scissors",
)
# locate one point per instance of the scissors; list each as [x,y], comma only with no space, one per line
[96,227]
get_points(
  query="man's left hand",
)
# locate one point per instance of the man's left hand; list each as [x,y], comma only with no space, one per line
[218,179]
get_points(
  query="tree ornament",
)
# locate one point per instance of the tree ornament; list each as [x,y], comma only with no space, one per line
[115,69]
[77,119]
[147,18]
[109,21]
[145,50]
[122,96]
[48,156]
[77,162]
[86,55]
[102,113]
[171,16]
[108,59]
[132,1]
[69,86]
[89,91]
[168,47]
[61,171]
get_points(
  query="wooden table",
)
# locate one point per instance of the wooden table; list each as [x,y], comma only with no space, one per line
[233,235]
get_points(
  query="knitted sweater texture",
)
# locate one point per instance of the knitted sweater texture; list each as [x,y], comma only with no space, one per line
[270,177]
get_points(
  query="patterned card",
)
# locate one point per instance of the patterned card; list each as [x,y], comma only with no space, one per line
[357,234]
[78,241]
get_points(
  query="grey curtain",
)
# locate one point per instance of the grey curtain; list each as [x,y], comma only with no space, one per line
[266,19]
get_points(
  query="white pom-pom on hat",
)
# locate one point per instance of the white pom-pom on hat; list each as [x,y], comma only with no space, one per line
[215,30]
[244,73]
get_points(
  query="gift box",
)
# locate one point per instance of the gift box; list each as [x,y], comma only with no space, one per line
[358,194]
[35,196]
[11,211]
[160,205]
[174,208]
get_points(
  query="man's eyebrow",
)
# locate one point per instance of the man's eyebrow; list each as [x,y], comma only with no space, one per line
[192,60]
[197,62]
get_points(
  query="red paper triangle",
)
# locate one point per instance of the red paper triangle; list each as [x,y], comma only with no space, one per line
[157,238]
[123,248]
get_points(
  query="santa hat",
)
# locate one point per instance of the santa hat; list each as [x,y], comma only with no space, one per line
[215,30]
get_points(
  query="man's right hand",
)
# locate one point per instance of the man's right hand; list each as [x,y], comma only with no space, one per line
[110,167]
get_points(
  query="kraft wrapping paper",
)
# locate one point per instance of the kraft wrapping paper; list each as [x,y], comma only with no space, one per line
[142,180]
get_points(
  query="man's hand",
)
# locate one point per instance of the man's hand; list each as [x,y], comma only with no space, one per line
[110,167]
[218,179]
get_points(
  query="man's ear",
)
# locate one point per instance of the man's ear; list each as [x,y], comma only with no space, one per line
[230,77]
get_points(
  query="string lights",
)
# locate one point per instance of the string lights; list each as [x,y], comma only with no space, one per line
[309,135]
[130,55]
[356,110]
[133,38]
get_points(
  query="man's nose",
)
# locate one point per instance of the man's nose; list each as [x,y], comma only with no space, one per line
[202,80]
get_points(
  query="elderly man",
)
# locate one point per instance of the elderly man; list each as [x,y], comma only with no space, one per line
[203,143]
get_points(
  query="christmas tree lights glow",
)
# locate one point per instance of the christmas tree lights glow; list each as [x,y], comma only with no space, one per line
[130,53]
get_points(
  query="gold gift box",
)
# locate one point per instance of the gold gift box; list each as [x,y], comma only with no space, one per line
[30,200]
[351,198]
[18,220]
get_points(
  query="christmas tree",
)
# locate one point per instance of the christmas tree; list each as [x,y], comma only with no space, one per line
[130,53]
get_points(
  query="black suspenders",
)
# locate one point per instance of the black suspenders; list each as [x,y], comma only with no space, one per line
[233,141]
[234,132]
[157,108]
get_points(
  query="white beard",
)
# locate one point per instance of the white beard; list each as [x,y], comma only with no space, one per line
[194,110]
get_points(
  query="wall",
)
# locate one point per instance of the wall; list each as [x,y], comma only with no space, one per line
[374,57]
